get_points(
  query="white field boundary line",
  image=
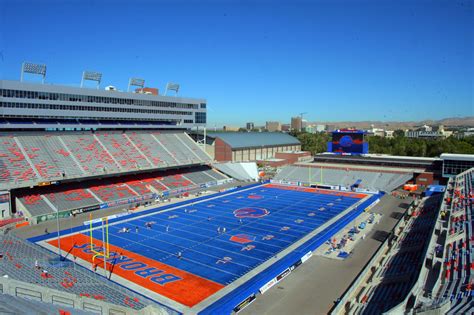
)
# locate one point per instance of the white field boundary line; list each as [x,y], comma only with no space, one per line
[156,212]
[250,274]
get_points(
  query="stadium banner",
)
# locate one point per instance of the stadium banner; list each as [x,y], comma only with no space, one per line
[110,217]
[4,196]
[103,206]
[296,265]
[130,200]
[344,188]
[223,181]
[91,208]
[268,285]
[244,303]
[362,190]
[325,187]
[4,204]
[306,256]
[283,275]
[227,189]
[52,216]
[372,205]
[211,184]
[92,221]
[289,183]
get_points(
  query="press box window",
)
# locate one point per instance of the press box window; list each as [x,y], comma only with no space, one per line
[200,118]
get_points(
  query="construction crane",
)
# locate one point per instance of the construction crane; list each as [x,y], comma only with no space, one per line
[301,116]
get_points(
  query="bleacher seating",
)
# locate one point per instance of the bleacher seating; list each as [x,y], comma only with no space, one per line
[395,276]
[87,194]
[19,260]
[458,269]
[35,204]
[49,157]
[384,181]
[123,151]
[179,151]
[31,158]
[14,167]
[147,144]
[87,150]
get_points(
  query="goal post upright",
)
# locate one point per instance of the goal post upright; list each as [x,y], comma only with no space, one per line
[105,253]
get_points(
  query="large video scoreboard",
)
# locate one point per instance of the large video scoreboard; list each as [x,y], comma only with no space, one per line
[348,141]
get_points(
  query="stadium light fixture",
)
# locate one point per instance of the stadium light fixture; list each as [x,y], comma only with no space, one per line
[91,76]
[33,68]
[172,87]
[135,82]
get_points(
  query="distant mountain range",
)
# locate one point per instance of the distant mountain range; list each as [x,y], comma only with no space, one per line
[447,122]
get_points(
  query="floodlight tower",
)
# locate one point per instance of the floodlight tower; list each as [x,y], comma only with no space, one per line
[34,68]
[91,76]
[301,116]
[172,87]
[135,82]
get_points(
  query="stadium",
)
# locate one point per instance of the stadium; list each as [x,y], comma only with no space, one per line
[110,204]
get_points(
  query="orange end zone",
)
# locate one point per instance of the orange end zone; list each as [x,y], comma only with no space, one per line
[317,190]
[173,283]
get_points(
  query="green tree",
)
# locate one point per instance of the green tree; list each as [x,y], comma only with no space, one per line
[399,133]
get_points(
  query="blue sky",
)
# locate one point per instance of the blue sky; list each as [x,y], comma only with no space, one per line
[260,60]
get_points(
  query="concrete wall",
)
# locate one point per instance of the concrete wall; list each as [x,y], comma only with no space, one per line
[222,151]
[51,296]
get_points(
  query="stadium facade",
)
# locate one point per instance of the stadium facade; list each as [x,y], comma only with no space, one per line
[52,107]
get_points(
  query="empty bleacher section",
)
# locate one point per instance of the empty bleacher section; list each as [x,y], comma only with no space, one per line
[122,151]
[387,280]
[383,181]
[449,284]
[25,262]
[28,159]
[14,167]
[68,197]
[89,153]
[48,156]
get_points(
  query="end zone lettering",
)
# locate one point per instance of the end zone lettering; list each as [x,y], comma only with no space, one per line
[140,269]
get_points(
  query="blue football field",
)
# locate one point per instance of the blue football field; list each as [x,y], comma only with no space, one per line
[221,239]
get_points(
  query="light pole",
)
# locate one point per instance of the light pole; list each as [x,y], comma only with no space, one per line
[59,234]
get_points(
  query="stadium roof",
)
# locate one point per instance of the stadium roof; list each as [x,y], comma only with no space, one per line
[457,157]
[238,140]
